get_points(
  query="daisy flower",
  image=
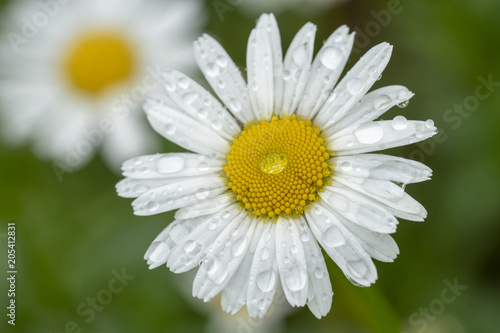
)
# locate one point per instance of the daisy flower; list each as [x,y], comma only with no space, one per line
[74,75]
[279,167]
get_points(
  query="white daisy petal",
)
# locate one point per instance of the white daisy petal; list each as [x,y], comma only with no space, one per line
[192,249]
[234,295]
[379,246]
[378,135]
[320,295]
[160,249]
[325,71]
[380,166]
[354,85]
[172,165]
[199,104]
[176,126]
[358,209]
[372,106]
[205,207]
[291,260]
[296,67]
[263,274]
[391,196]
[341,246]
[263,57]
[224,77]
[178,194]
[223,259]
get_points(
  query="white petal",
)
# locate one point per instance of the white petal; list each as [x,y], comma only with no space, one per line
[342,246]
[320,295]
[205,207]
[372,106]
[387,194]
[172,165]
[224,77]
[385,167]
[264,66]
[181,193]
[296,68]
[379,246]
[160,249]
[378,135]
[194,248]
[325,71]
[174,125]
[354,85]
[234,295]
[292,262]
[223,258]
[358,209]
[199,104]
[263,274]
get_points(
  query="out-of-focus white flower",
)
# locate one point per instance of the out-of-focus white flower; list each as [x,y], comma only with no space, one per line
[73,74]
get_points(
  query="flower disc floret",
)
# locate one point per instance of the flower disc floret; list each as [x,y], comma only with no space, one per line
[277,167]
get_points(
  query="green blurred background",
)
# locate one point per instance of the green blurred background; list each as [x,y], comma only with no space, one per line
[75,235]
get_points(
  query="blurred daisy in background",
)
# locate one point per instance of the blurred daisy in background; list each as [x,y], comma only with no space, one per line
[277,6]
[74,74]
[285,170]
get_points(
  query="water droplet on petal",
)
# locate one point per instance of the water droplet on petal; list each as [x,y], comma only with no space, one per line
[178,233]
[238,247]
[331,57]
[295,278]
[266,280]
[202,113]
[152,205]
[221,61]
[212,69]
[333,237]
[369,133]
[429,123]
[234,105]
[382,102]
[265,253]
[300,54]
[202,193]
[216,124]
[357,268]
[183,83]
[346,166]
[170,164]
[304,237]
[355,86]
[318,273]
[203,167]
[189,98]
[404,104]
[399,123]
[170,129]
[140,188]
[286,75]
[212,225]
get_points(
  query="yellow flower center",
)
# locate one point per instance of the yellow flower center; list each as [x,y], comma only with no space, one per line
[98,60]
[277,167]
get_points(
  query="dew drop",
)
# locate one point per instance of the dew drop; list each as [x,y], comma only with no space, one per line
[212,226]
[372,70]
[295,278]
[170,129]
[404,104]
[189,98]
[333,237]
[170,164]
[266,280]
[286,75]
[399,123]
[216,124]
[382,102]
[429,123]
[369,133]
[318,273]
[221,61]
[304,237]
[346,166]
[235,106]
[152,205]
[203,167]
[239,247]
[202,193]
[357,267]
[189,246]
[212,69]
[331,57]
[265,253]
[140,188]
[300,54]
[355,86]
[183,83]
